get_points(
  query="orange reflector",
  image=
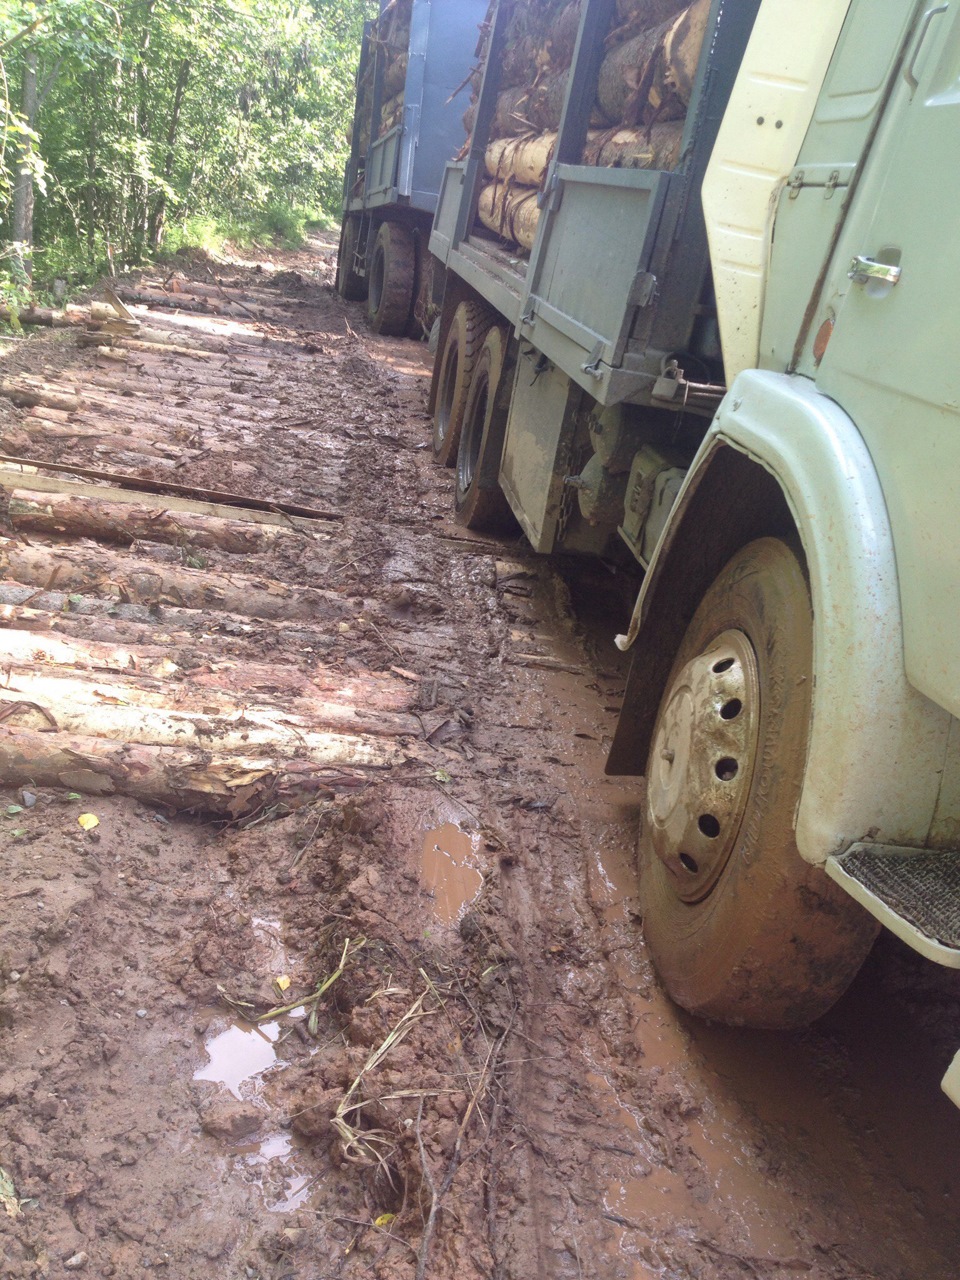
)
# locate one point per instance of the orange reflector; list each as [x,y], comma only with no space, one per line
[824,334]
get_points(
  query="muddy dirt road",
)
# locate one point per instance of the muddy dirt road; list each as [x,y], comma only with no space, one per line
[345,980]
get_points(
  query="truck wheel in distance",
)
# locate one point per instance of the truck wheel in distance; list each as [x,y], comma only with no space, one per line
[350,285]
[479,501]
[390,280]
[740,928]
[458,355]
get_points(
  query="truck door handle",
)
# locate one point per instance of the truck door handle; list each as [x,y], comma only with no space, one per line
[863,270]
[910,71]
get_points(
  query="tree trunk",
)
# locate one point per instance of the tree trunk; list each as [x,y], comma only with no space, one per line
[121,522]
[158,212]
[23,194]
[183,779]
[144,582]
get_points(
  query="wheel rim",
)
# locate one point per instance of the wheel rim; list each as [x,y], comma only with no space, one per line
[445,399]
[472,437]
[702,764]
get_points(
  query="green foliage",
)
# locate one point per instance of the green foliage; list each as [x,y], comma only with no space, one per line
[139,120]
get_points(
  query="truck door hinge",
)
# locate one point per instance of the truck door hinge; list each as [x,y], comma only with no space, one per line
[592,366]
[831,184]
[795,182]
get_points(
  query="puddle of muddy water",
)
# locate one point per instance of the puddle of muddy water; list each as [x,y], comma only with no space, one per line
[273,1165]
[449,870]
[240,1053]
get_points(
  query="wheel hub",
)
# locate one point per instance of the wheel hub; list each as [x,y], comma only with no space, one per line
[702,763]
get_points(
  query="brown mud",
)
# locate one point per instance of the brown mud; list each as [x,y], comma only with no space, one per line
[474,1073]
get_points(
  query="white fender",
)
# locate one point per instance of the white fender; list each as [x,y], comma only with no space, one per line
[877,746]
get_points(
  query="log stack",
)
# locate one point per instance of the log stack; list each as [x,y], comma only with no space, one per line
[643,91]
[390,40]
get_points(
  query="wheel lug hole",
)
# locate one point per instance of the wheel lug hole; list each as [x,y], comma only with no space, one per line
[723,665]
[726,769]
[708,826]
[688,863]
[731,709]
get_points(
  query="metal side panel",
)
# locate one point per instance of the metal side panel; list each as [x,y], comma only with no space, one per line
[443,40]
[914,892]
[383,162]
[448,210]
[589,269]
[540,431]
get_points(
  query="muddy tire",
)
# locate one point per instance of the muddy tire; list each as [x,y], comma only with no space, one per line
[391,280]
[740,928]
[350,285]
[478,500]
[458,356]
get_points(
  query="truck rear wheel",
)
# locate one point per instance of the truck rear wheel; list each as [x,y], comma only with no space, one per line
[479,500]
[350,285]
[739,926]
[391,280]
[458,356]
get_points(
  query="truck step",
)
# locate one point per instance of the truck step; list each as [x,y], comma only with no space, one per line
[914,892]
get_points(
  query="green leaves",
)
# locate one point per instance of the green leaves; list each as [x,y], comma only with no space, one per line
[154,111]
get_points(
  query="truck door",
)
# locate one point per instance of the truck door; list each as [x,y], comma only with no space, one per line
[893,293]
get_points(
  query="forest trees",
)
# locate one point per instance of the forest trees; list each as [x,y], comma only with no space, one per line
[119,118]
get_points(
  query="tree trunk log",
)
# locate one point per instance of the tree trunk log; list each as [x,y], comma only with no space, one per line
[180,779]
[162,712]
[527,158]
[511,212]
[120,522]
[48,317]
[130,578]
[651,75]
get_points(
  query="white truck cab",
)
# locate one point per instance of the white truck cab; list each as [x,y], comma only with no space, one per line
[803,676]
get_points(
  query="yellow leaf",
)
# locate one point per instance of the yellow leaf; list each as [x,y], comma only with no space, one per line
[88,821]
[283,982]
[384,1220]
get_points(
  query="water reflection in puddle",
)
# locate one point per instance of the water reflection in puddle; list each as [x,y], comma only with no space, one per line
[284,1190]
[449,870]
[238,1054]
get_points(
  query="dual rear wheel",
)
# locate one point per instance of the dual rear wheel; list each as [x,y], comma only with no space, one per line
[470,416]
[391,282]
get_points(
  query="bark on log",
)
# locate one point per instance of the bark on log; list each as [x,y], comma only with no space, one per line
[172,776]
[130,578]
[165,713]
[29,636]
[127,623]
[48,317]
[120,522]
[25,647]
[651,76]
[655,148]
[526,159]
[102,433]
[511,212]
[640,15]
[26,392]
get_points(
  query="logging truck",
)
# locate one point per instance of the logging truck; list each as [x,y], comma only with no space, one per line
[415,60]
[696,313]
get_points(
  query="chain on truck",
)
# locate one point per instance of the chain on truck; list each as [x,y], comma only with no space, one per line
[692,268]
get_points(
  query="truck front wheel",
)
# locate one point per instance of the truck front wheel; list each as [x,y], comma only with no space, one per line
[479,502]
[739,926]
[458,356]
[392,280]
